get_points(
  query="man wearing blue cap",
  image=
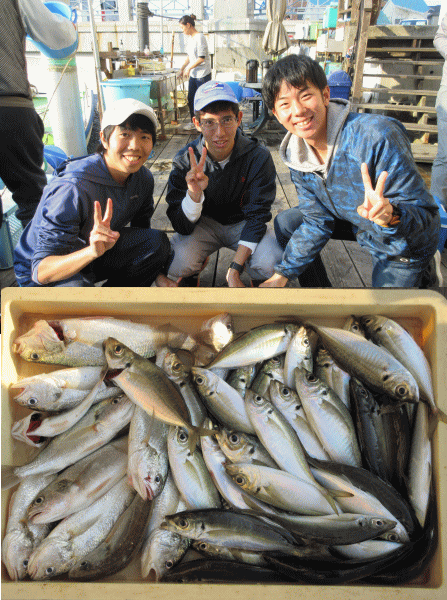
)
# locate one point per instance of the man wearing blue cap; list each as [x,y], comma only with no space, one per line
[220,192]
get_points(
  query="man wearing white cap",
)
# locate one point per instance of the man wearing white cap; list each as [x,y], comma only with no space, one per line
[220,192]
[79,234]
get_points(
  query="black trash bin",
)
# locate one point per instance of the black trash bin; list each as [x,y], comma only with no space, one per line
[251,71]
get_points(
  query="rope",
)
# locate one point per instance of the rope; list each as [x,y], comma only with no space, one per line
[52,95]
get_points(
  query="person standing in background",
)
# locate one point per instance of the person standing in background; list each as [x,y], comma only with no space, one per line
[197,67]
[439,170]
[21,128]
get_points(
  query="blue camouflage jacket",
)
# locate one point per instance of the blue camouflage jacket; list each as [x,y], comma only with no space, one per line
[336,190]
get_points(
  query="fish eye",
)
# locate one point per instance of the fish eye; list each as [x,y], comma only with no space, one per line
[276,360]
[311,378]
[182,435]
[401,390]
[392,537]
[39,500]
[25,562]
[49,570]
[306,342]
[285,391]
[203,546]
[379,522]
[85,564]
[118,349]
[200,380]
[240,479]
[177,366]
[32,401]
[169,564]
[116,400]
[182,523]
[355,327]
[157,478]
[233,438]
[34,356]
[258,399]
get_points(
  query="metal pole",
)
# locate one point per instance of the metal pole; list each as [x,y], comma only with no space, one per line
[96,58]
[161,25]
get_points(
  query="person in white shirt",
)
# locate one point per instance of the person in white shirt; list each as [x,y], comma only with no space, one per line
[197,66]
[439,171]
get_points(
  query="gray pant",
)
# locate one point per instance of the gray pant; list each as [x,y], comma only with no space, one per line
[190,251]
[439,170]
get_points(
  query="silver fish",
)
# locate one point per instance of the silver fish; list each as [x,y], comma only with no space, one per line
[372,364]
[354,325]
[148,454]
[149,387]
[81,484]
[368,550]
[222,400]
[241,379]
[77,535]
[393,337]
[230,529]
[329,418]
[60,390]
[328,371]
[22,537]
[190,473]
[101,423]
[234,495]
[163,551]
[258,344]
[28,429]
[215,551]
[271,370]
[243,447]
[299,352]
[277,436]
[117,550]
[289,404]
[281,489]
[420,464]
[78,341]
[180,373]
[217,332]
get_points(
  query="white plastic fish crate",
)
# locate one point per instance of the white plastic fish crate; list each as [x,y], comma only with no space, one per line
[423,313]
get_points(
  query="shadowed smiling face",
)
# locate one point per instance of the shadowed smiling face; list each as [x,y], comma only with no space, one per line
[303,111]
[219,132]
[126,151]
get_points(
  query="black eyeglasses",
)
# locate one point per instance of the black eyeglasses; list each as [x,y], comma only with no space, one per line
[212,124]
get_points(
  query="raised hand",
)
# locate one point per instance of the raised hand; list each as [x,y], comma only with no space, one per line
[375,207]
[196,179]
[102,238]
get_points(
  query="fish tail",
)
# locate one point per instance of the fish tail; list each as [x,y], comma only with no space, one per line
[9,478]
[332,495]
[194,435]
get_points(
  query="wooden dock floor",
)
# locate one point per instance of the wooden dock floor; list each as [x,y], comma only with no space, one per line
[346,263]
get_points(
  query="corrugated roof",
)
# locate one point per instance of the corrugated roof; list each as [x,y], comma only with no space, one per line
[416,5]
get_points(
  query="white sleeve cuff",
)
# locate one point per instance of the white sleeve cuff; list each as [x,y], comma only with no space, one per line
[192,209]
[251,245]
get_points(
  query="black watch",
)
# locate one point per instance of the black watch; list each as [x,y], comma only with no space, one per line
[237,267]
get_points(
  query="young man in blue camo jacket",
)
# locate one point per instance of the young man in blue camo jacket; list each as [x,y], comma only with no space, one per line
[355,178]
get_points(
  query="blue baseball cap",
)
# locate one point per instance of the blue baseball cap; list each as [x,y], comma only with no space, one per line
[213,91]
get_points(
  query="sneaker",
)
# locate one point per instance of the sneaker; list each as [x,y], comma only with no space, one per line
[189,127]
[432,277]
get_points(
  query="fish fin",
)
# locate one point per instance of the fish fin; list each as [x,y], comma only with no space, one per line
[332,495]
[193,439]
[9,478]
[205,431]
[442,416]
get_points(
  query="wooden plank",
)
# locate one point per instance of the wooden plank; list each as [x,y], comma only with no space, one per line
[405,61]
[401,92]
[401,49]
[341,270]
[403,76]
[397,107]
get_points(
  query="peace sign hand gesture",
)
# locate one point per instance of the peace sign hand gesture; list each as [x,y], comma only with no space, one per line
[102,238]
[195,178]
[375,207]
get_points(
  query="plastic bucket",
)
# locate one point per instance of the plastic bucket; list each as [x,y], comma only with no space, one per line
[58,8]
[138,88]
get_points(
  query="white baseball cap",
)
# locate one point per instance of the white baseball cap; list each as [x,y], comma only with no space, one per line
[120,110]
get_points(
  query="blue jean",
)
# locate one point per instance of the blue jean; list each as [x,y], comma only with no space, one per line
[135,260]
[193,85]
[392,272]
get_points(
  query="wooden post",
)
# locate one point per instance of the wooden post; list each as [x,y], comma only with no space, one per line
[360,52]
